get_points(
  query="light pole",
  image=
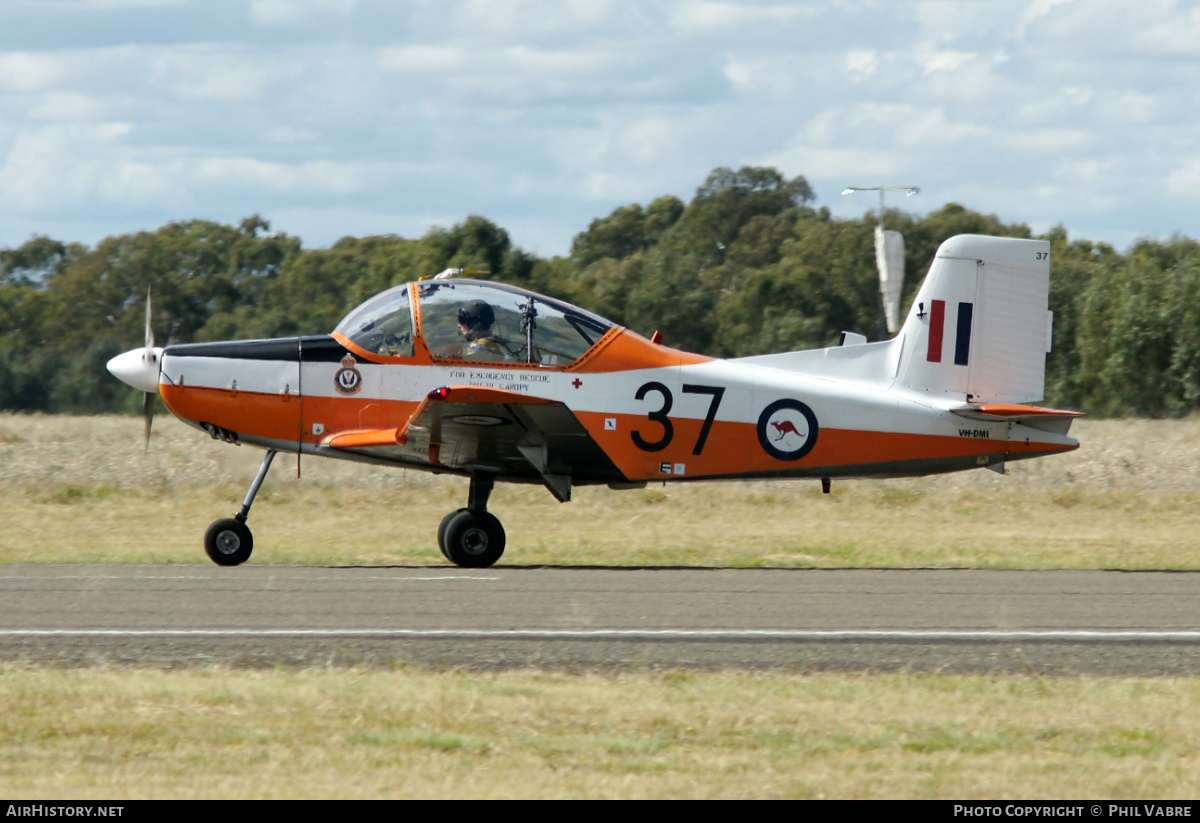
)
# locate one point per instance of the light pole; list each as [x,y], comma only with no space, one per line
[889,257]
[909,191]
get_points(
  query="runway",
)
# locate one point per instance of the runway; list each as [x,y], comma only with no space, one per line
[581,619]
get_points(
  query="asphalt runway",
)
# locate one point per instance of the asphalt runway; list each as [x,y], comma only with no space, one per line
[584,619]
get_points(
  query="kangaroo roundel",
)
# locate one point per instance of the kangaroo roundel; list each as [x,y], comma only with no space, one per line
[787,429]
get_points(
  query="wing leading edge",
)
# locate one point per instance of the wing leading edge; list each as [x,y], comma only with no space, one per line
[478,430]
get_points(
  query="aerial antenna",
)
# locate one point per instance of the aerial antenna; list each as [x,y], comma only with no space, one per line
[889,257]
[450,274]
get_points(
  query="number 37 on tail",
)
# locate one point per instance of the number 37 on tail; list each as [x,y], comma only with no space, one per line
[497,384]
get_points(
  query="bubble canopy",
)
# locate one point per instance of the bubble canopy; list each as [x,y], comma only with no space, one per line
[474,320]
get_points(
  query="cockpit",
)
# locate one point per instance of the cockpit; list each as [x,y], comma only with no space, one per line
[474,321]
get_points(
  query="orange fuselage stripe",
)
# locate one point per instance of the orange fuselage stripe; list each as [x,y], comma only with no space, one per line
[731,447]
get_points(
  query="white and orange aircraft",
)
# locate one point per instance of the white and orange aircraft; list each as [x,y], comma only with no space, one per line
[496,383]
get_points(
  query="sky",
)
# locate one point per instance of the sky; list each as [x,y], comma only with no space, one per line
[359,117]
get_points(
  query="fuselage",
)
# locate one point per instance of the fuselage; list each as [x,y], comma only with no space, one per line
[657,413]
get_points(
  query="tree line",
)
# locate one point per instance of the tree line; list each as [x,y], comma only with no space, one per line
[749,266]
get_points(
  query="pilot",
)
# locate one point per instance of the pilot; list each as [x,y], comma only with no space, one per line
[475,319]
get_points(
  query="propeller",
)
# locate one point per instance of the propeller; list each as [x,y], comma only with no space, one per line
[149,356]
[139,368]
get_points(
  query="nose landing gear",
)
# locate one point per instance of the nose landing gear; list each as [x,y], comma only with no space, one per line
[472,537]
[228,541]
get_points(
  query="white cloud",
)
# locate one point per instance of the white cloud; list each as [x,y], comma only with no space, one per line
[71,106]
[1038,9]
[692,16]
[291,12]
[948,61]
[218,75]
[545,66]
[422,58]
[862,62]
[30,71]
[109,5]
[316,176]
[1184,180]
[288,134]
[1174,31]
[946,21]
[771,75]
[851,165]
[500,22]
[61,165]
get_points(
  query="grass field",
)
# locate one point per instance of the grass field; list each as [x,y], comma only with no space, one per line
[371,733]
[80,490]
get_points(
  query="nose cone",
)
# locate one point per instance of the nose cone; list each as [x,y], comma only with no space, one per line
[138,368]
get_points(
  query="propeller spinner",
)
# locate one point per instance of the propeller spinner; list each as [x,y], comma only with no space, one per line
[139,368]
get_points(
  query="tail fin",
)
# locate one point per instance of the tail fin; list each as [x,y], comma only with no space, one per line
[979,326]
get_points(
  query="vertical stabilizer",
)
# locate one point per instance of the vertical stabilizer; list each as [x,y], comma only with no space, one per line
[979,328]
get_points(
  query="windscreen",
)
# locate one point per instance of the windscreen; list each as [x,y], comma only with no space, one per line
[382,325]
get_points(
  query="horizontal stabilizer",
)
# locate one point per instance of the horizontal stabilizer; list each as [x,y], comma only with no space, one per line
[1051,420]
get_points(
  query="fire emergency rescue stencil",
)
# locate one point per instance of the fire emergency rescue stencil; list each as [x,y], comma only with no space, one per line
[787,429]
[348,380]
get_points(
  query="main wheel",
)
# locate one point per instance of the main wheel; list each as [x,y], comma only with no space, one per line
[442,531]
[228,542]
[473,541]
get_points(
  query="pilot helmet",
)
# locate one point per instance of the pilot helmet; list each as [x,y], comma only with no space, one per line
[476,315]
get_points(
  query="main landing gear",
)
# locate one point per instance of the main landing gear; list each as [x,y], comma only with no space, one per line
[472,537]
[469,537]
[228,541]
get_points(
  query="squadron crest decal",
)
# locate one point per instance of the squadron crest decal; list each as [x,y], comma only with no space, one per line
[348,380]
[787,429]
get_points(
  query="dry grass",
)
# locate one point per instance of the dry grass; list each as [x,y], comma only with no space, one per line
[356,733]
[80,490]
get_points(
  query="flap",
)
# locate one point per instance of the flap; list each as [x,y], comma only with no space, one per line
[361,437]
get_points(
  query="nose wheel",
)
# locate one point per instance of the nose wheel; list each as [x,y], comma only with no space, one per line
[472,537]
[228,541]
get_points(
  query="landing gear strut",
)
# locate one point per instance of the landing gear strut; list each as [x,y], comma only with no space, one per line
[228,541]
[472,537]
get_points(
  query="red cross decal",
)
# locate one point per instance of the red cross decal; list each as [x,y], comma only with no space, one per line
[576,382]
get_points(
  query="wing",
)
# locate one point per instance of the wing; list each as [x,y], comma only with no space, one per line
[472,429]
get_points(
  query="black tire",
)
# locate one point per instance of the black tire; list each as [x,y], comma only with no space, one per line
[228,542]
[474,541]
[442,531]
